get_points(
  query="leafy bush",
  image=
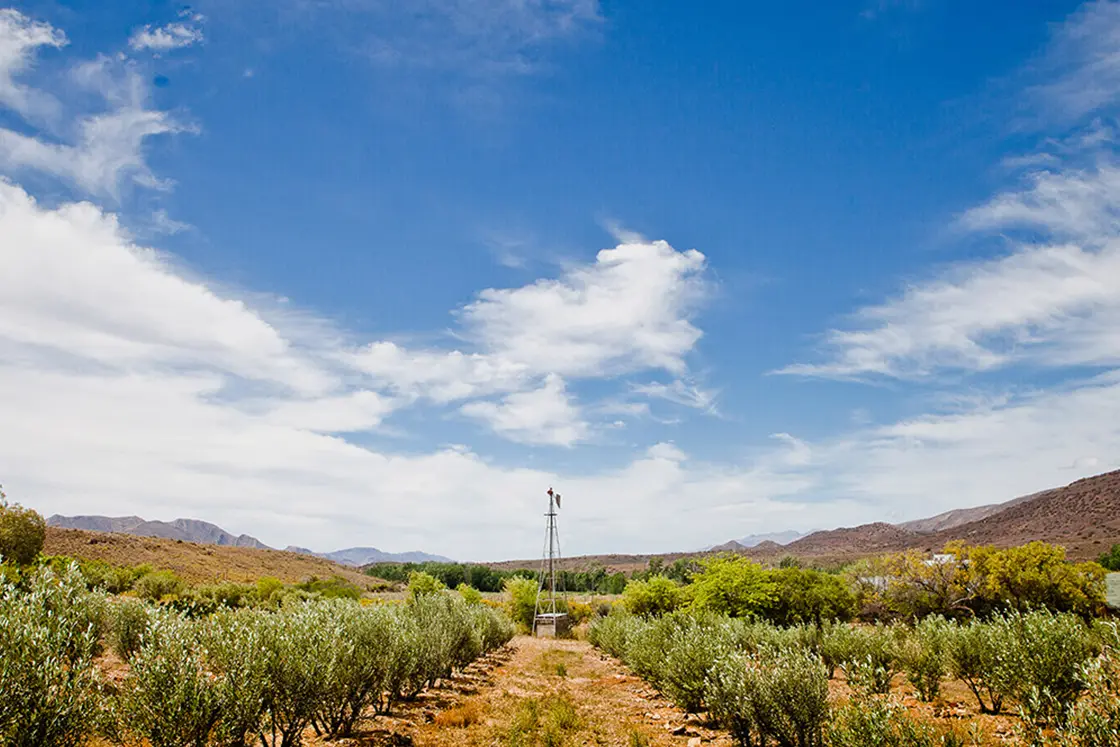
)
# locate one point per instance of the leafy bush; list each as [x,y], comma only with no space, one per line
[1095,720]
[156,585]
[656,596]
[358,667]
[1111,559]
[521,601]
[22,532]
[809,596]
[234,642]
[732,585]
[128,623]
[980,580]
[871,659]
[878,723]
[469,594]
[730,698]
[578,612]
[335,587]
[923,655]
[115,579]
[975,652]
[421,584]
[691,648]
[1040,661]
[778,694]
[613,632]
[169,698]
[49,633]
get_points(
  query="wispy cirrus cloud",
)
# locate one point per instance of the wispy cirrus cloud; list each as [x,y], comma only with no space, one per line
[1053,298]
[175,35]
[98,152]
[20,38]
[475,38]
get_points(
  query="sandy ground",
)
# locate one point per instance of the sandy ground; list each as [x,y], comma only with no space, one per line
[562,693]
[538,692]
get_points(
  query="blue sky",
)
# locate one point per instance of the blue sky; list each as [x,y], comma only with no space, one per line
[356,272]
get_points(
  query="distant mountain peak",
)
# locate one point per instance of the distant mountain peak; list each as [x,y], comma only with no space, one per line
[203,532]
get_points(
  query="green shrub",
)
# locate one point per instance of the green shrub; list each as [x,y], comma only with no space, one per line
[268,591]
[357,667]
[871,660]
[778,695]
[730,697]
[521,601]
[293,647]
[923,655]
[732,585]
[234,642]
[1040,661]
[809,596]
[1111,559]
[656,596]
[335,587]
[495,629]
[421,584]
[22,532]
[836,645]
[157,585]
[791,697]
[613,632]
[975,652]
[50,692]
[878,723]
[114,579]
[469,594]
[169,698]
[691,648]
[1095,720]
[128,623]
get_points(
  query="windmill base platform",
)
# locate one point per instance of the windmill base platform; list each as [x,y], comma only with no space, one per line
[551,625]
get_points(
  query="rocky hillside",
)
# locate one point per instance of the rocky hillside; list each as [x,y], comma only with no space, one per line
[187,530]
[196,563]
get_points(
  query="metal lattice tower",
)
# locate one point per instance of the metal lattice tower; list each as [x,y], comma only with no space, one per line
[551,597]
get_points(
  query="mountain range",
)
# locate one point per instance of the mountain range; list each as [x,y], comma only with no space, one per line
[1083,517]
[203,532]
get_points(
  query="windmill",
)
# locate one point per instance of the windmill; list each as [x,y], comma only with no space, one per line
[550,617]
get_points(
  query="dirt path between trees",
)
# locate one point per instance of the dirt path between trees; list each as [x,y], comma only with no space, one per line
[541,692]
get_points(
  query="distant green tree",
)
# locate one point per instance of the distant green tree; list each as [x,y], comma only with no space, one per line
[614,584]
[657,596]
[804,595]
[1111,559]
[730,584]
[22,532]
[422,584]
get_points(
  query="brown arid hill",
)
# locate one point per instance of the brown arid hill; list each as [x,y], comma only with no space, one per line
[731,546]
[197,563]
[960,516]
[1083,517]
[838,544]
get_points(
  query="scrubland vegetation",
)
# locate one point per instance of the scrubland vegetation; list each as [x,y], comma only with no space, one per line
[227,664]
[235,677]
[756,648]
[787,656]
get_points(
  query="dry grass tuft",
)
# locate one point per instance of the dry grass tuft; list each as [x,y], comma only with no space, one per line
[460,716]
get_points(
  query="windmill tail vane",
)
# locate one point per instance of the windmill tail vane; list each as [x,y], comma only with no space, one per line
[554,496]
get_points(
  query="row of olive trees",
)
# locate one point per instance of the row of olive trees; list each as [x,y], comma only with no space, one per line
[769,685]
[235,678]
